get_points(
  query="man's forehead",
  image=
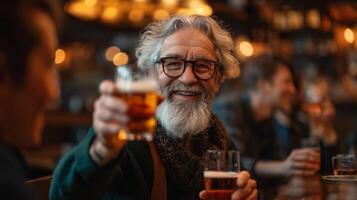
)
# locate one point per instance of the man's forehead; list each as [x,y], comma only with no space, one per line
[188,38]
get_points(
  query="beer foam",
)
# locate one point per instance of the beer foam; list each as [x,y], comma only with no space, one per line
[219,174]
[137,86]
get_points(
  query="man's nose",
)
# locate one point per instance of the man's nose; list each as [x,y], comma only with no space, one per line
[188,77]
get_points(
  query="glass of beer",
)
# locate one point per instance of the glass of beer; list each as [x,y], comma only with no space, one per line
[344,164]
[138,87]
[312,143]
[220,174]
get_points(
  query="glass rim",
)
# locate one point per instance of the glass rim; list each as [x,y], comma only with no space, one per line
[345,156]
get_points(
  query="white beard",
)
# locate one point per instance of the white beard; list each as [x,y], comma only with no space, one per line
[181,118]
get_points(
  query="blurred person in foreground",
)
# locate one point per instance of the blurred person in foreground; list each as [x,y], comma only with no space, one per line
[273,155]
[28,40]
[103,167]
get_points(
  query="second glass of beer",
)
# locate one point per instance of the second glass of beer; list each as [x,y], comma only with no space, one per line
[344,164]
[220,174]
[138,87]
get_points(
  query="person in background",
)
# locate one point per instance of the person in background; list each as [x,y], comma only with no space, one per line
[249,120]
[320,113]
[192,55]
[317,114]
[28,39]
[349,86]
[351,140]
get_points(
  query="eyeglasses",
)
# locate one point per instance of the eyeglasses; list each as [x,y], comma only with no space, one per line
[174,67]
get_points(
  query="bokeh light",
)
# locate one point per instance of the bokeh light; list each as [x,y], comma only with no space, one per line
[60,56]
[120,58]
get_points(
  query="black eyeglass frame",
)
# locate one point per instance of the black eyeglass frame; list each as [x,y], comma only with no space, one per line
[193,62]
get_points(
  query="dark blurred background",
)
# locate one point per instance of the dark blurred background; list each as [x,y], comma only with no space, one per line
[314,37]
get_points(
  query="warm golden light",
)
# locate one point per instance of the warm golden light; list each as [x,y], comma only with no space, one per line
[110,53]
[295,20]
[110,14]
[184,11]
[90,3]
[120,58]
[81,10]
[161,14]
[60,56]
[349,35]
[136,11]
[246,48]
[203,9]
[122,135]
[313,18]
[169,3]
[194,3]
[136,15]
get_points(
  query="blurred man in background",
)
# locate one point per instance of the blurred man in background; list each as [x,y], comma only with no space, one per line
[28,40]
[320,113]
[317,114]
[267,149]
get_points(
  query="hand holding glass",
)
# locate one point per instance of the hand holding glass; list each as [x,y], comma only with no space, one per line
[311,143]
[138,87]
[220,174]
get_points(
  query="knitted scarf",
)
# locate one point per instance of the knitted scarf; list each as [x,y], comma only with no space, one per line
[185,167]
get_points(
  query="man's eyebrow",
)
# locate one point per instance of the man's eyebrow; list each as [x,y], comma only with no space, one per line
[173,55]
[204,58]
[200,57]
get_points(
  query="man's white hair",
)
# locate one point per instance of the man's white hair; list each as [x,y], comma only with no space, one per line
[148,50]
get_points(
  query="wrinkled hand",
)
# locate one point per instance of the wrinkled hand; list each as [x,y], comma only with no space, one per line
[109,117]
[247,188]
[303,162]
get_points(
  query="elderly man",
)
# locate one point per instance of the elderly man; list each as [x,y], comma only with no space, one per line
[28,83]
[104,167]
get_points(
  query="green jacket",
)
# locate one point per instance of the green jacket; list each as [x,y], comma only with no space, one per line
[77,176]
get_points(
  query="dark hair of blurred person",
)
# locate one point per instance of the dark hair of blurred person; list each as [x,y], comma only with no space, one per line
[270,75]
[28,39]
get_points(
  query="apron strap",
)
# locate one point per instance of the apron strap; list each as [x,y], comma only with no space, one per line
[159,183]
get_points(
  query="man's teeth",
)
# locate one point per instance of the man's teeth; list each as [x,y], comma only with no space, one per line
[187,93]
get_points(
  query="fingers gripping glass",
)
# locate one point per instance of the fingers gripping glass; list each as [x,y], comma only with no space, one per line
[174,67]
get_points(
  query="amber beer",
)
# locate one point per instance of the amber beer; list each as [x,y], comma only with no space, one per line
[345,172]
[141,97]
[220,185]
[344,164]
